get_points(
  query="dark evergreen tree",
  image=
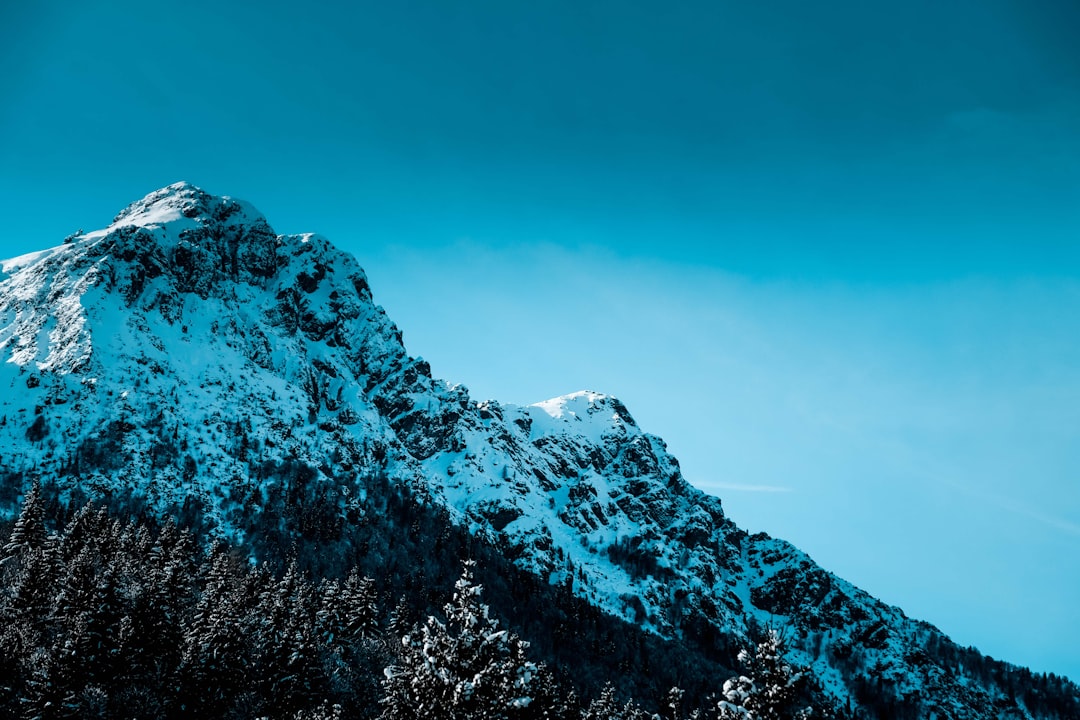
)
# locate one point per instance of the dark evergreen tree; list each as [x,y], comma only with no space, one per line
[348,612]
[288,646]
[215,652]
[29,530]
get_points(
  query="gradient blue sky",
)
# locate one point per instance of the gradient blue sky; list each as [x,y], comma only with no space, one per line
[828,251]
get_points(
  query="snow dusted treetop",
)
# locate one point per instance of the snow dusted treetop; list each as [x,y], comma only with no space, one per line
[770,691]
[463,667]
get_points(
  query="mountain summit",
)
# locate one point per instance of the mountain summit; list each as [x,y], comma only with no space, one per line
[180,352]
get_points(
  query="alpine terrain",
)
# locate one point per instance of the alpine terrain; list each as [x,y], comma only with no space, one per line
[186,362]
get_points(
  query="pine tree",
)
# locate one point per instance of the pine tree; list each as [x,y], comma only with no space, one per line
[347,612]
[604,707]
[464,667]
[166,599]
[287,642]
[769,690]
[401,619]
[673,704]
[216,653]
[29,529]
[30,581]
[77,653]
[361,606]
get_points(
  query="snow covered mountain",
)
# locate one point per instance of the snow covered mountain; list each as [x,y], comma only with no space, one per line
[180,350]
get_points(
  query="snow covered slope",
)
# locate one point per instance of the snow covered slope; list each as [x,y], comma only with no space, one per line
[180,349]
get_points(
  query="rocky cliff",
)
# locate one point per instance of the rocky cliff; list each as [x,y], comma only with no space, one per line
[176,352]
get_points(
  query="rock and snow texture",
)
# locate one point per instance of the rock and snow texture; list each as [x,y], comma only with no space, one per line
[177,349]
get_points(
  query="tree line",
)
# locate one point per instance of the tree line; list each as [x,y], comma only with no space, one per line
[115,608]
[105,617]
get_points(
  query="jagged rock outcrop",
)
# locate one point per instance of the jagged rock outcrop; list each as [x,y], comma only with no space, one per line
[186,346]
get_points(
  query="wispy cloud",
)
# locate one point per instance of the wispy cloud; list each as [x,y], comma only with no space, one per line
[1015,506]
[1052,521]
[744,487]
[1004,502]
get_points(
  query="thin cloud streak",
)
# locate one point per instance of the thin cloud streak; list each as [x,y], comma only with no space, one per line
[744,487]
[1018,508]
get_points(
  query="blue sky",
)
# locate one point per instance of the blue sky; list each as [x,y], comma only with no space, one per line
[829,252]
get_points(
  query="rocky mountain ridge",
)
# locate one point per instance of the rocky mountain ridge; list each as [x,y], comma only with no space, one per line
[186,346]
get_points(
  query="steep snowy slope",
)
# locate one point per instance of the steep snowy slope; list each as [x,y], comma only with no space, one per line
[186,346]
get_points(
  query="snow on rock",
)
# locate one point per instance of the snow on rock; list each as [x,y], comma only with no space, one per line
[187,343]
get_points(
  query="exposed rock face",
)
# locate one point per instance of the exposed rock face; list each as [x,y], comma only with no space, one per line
[177,350]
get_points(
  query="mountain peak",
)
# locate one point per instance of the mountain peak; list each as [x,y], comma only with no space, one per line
[181,200]
[190,357]
[597,413]
[204,238]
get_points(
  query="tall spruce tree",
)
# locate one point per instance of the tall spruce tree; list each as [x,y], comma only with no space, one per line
[29,529]
[216,651]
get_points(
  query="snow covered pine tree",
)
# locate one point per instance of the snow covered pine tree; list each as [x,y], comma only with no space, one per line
[462,668]
[769,690]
